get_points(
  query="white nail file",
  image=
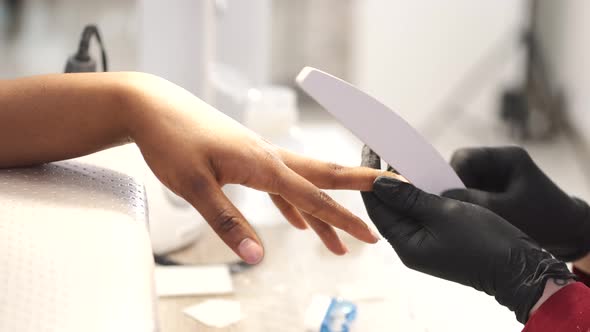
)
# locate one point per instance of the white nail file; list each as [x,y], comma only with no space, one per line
[385,132]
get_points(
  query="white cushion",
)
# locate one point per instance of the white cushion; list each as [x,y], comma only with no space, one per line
[75,253]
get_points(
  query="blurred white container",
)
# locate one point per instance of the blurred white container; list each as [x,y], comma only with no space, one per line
[272,112]
[186,41]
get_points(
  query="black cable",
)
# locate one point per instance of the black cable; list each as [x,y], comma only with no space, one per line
[82,61]
[89,31]
[164,260]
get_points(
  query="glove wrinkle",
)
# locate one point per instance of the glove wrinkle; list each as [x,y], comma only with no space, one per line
[534,268]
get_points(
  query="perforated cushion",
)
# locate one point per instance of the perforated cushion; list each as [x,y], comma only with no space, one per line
[74,251]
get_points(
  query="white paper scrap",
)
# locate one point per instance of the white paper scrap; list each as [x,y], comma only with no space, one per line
[193,280]
[216,313]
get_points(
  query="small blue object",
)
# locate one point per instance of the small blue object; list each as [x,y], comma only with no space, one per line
[339,317]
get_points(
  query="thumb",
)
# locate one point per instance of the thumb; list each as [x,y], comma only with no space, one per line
[405,198]
[392,225]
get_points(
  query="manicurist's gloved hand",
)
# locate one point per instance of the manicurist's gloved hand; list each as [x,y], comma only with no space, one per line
[461,242]
[508,182]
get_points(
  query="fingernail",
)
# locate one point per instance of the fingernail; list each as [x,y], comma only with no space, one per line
[376,235]
[250,251]
[345,248]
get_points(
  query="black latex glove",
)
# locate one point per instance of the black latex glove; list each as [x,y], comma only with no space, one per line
[507,181]
[461,242]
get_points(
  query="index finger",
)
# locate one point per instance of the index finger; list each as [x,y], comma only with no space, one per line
[329,175]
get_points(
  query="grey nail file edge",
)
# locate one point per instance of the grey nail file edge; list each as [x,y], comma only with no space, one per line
[382,130]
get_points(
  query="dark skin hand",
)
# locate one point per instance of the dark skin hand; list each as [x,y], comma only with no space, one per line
[192,148]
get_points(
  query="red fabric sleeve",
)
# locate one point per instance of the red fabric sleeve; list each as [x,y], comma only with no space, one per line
[566,310]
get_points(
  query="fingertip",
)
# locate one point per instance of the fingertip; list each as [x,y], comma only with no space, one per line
[371,239]
[341,250]
[250,251]
[302,227]
[368,235]
[362,231]
[385,183]
[375,235]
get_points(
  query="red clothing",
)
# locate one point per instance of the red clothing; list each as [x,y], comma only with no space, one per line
[567,310]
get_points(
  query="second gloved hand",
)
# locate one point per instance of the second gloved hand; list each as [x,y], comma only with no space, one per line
[507,181]
[461,242]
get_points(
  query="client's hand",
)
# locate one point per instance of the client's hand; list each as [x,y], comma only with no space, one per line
[195,150]
[191,147]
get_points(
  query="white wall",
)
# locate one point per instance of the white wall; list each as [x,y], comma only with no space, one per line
[243,38]
[410,54]
[176,42]
[564,27]
[310,33]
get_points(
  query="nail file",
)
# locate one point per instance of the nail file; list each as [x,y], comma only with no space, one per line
[385,132]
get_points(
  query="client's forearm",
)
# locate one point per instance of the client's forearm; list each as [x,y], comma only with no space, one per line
[53,117]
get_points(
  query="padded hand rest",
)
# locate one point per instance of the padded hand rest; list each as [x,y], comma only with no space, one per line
[75,253]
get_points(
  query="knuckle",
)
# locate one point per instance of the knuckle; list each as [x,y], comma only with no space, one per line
[274,167]
[460,158]
[197,186]
[336,171]
[323,201]
[452,207]
[276,178]
[270,154]
[225,221]
[336,168]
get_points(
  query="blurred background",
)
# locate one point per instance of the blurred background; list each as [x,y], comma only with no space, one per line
[463,73]
[450,69]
